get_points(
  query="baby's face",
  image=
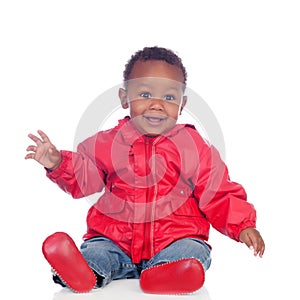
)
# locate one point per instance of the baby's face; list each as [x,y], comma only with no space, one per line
[155,96]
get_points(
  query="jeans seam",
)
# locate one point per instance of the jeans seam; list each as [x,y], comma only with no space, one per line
[94,268]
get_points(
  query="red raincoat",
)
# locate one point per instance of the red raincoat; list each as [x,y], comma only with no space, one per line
[155,190]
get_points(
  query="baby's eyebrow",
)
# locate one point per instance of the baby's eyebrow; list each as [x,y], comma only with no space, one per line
[144,85]
[174,88]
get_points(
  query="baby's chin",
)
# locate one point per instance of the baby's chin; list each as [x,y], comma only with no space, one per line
[155,133]
[152,134]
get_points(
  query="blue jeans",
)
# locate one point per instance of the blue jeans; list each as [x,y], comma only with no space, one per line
[111,263]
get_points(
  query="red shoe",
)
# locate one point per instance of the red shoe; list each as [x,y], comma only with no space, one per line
[183,276]
[68,263]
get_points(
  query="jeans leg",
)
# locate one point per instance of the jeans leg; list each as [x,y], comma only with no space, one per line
[184,248]
[108,260]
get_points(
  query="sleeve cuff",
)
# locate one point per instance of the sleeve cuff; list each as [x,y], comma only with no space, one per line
[62,166]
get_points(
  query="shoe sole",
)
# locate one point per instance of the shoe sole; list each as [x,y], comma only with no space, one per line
[184,276]
[68,263]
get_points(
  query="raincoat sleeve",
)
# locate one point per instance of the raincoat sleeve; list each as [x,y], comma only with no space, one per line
[78,173]
[222,201]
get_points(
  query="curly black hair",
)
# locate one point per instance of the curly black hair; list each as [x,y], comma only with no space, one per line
[154,53]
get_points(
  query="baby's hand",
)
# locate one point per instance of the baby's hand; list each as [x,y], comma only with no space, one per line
[44,151]
[252,238]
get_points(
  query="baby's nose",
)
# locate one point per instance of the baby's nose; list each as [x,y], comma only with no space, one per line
[156,104]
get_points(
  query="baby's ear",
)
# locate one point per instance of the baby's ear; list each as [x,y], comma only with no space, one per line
[123,98]
[184,100]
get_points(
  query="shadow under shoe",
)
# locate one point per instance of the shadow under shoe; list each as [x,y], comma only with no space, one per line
[183,276]
[68,263]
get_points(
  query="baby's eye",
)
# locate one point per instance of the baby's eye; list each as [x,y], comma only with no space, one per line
[169,97]
[145,95]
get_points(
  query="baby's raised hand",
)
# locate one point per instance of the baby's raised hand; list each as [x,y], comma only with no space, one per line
[252,238]
[44,151]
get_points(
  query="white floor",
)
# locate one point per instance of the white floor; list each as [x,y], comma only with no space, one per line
[127,289]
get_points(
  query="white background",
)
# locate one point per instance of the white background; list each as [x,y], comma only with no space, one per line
[242,57]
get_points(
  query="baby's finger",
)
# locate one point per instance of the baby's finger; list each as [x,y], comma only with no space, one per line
[249,244]
[253,244]
[31,148]
[261,248]
[43,136]
[246,239]
[35,138]
[29,156]
[258,246]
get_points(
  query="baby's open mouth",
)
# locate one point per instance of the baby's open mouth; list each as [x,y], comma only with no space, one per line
[154,119]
